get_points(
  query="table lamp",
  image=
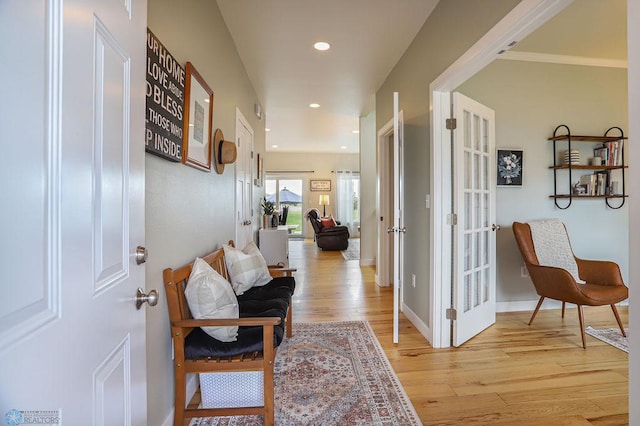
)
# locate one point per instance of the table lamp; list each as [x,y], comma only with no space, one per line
[324,202]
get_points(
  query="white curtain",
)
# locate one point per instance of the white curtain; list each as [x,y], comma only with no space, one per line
[349,200]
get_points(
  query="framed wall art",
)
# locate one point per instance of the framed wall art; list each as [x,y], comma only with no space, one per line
[509,163]
[198,121]
[320,185]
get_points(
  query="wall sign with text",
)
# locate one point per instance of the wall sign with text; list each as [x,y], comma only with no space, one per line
[165,101]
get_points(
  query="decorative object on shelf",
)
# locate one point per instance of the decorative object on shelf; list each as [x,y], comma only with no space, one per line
[198,113]
[323,200]
[510,163]
[607,167]
[571,157]
[224,152]
[268,208]
[320,185]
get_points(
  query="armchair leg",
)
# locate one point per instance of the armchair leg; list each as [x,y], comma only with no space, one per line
[563,306]
[615,312]
[537,309]
[581,318]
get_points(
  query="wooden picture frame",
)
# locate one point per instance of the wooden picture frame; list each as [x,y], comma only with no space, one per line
[198,121]
[323,185]
[509,167]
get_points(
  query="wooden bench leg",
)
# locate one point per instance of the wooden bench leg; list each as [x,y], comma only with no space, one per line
[269,357]
[180,400]
[289,324]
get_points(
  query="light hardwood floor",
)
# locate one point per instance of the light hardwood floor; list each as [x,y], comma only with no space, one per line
[511,373]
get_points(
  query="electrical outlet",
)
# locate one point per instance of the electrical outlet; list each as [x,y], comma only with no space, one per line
[524,273]
[413,280]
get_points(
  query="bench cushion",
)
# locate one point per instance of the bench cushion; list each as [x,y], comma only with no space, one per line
[199,344]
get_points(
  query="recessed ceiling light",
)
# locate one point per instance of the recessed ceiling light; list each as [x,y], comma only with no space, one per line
[267,129]
[314,105]
[343,147]
[355,132]
[274,146]
[322,45]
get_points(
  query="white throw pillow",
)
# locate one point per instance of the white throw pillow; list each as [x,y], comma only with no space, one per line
[209,295]
[247,268]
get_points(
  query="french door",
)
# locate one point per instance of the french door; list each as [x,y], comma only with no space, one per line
[474,287]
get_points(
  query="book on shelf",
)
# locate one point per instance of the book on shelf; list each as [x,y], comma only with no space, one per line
[596,183]
[610,152]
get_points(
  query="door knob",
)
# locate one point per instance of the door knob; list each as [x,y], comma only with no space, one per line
[495,227]
[141,255]
[390,230]
[151,298]
[403,230]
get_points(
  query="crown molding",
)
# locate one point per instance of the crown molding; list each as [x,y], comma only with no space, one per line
[563,59]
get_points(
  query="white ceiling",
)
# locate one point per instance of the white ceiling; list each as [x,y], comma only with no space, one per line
[275,39]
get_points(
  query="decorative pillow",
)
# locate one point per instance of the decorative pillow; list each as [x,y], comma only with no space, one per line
[209,295]
[328,222]
[247,268]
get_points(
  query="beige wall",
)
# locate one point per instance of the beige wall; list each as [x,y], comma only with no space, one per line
[453,27]
[368,188]
[190,212]
[311,166]
[530,100]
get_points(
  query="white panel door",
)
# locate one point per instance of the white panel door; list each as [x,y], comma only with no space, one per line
[244,182]
[474,288]
[72,343]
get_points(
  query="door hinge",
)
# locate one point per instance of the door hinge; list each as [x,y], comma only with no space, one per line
[452,219]
[451,314]
[451,123]
[252,155]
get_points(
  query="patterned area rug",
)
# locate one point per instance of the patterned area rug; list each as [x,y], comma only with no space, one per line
[353,251]
[332,373]
[611,336]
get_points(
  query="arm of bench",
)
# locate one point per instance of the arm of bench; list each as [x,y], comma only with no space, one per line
[280,271]
[253,321]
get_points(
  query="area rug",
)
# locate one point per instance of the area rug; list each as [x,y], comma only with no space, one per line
[332,373]
[611,336]
[353,251]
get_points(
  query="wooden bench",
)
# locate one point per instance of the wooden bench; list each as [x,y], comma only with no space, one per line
[262,312]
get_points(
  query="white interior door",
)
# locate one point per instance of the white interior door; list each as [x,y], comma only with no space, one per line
[72,343]
[474,288]
[245,225]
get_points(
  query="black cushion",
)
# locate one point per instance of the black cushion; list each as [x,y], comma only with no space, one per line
[270,300]
[199,344]
[277,288]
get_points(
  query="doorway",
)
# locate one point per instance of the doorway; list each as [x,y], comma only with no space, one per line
[521,21]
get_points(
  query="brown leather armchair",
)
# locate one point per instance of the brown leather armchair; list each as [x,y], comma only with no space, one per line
[603,281]
[333,238]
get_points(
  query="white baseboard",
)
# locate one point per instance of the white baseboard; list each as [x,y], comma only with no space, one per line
[192,387]
[530,305]
[367,262]
[418,323]
[526,305]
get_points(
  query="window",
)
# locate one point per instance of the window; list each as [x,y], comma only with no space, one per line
[286,193]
